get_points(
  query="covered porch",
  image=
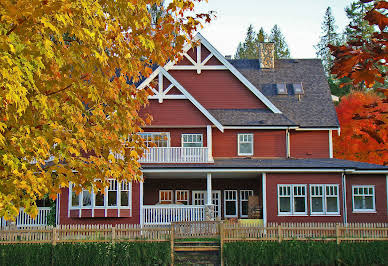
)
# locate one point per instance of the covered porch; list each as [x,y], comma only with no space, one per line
[199,196]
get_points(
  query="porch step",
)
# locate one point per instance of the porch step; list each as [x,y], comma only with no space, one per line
[196,248]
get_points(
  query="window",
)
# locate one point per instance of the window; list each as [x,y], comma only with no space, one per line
[117,195]
[245,144]
[364,199]
[165,196]
[192,140]
[158,139]
[230,203]
[198,198]
[182,196]
[244,196]
[324,199]
[292,199]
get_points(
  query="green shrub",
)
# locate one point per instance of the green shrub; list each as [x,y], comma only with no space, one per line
[305,253]
[124,253]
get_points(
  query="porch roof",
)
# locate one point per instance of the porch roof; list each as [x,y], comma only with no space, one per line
[280,163]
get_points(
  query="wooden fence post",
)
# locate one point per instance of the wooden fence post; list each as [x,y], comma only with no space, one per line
[280,233]
[172,243]
[338,233]
[222,243]
[113,234]
[54,239]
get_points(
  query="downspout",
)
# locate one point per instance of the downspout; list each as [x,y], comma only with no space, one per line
[344,207]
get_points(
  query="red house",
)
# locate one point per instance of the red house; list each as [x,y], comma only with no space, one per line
[226,130]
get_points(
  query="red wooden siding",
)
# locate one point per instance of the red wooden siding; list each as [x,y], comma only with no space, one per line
[152,187]
[309,144]
[217,89]
[175,113]
[311,178]
[99,214]
[379,181]
[176,134]
[204,52]
[267,143]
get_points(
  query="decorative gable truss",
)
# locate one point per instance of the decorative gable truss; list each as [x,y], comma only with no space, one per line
[164,93]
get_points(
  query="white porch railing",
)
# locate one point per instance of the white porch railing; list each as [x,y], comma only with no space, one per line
[24,219]
[175,155]
[166,214]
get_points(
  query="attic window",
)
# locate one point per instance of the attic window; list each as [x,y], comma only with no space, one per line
[281,88]
[298,88]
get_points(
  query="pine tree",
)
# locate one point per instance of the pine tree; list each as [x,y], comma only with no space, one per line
[281,47]
[261,36]
[356,12]
[248,49]
[329,36]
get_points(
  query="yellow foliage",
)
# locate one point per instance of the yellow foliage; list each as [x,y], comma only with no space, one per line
[62,96]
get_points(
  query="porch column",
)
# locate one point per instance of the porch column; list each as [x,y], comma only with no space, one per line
[209,143]
[141,202]
[264,195]
[209,207]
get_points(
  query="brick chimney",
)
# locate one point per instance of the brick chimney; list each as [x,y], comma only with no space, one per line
[267,54]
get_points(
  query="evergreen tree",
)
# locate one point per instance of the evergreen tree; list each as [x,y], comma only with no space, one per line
[248,49]
[281,47]
[329,36]
[356,12]
[261,36]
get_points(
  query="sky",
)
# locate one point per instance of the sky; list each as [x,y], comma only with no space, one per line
[299,21]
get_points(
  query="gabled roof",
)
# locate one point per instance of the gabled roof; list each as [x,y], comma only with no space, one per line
[314,108]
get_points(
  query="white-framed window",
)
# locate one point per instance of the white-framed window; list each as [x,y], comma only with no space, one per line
[165,197]
[230,203]
[198,197]
[192,140]
[292,199]
[182,196]
[245,144]
[244,196]
[324,199]
[364,198]
[158,139]
[115,196]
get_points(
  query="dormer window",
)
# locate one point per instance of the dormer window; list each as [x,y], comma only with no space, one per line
[245,144]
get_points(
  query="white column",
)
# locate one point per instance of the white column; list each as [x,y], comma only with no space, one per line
[288,153]
[209,189]
[330,144]
[264,192]
[141,203]
[344,207]
[209,143]
[57,209]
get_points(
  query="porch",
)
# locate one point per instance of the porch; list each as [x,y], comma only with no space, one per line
[25,220]
[180,197]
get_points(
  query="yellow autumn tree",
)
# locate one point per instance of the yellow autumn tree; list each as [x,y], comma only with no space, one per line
[68,70]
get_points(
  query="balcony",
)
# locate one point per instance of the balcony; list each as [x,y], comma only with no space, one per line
[176,155]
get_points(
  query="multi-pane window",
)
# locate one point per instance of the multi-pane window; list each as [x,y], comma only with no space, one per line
[117,195]
[292,199]
[245,144]
[230,203]
[244,196]
[192,140]
[182,196]
[198,197]
[324,199]
[363,198]
[158,139]
[165,196]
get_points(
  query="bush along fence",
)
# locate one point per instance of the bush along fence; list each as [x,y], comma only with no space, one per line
[226,232]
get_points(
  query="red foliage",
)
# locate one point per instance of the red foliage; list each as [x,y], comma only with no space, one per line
[364,129]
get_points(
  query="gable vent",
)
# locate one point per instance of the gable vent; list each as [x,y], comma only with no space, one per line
[281,88]
[298,88]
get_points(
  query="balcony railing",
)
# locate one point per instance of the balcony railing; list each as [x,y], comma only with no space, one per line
[166,214]
[24,220]
[175,155]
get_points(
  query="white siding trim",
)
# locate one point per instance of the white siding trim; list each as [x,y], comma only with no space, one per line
[141,203]
[208,189]
[330,144]
[288,149]
[209,139]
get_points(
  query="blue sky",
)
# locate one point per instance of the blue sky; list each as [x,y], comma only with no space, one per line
[299,20]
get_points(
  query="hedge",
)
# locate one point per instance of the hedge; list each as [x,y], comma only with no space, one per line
[124,253]
[306,253]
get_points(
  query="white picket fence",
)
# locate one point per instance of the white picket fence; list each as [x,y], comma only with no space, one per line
[24,220]
[166,214]
[175,155]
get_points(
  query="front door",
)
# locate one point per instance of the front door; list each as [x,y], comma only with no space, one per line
[199,198]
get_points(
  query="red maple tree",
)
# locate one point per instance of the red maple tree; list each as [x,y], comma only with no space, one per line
[364,128]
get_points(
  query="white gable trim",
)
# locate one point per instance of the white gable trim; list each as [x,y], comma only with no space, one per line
[192,99]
